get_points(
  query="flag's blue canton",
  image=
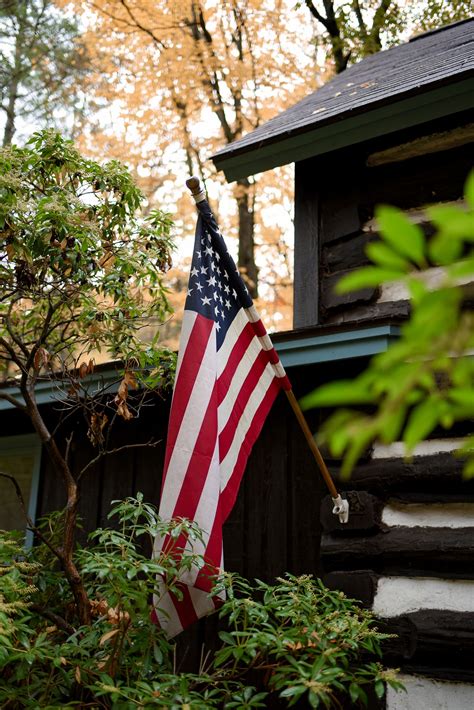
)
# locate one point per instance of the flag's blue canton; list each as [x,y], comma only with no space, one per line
[215,288]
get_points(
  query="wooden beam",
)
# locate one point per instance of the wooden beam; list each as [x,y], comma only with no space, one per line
[306,266]
[441,552]
[434,477]
[433,143]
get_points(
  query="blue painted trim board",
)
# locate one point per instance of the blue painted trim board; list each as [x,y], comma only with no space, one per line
[336,346]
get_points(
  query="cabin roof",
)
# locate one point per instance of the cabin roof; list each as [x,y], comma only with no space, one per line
[423,66]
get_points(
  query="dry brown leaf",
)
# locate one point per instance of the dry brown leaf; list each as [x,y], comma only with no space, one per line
[77,674]
[83,370]
[130,379]
[107,261]
[41,358]
[124,412]
[108,636]
[122,392]
[99,606]
[97,424]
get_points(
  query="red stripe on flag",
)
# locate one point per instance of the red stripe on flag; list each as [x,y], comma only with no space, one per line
[199,463]
[227,499]
[250,383]
[285,383]
[243,341]
[229,494]
[184,607]
[205,577]
[188,372]
[273,356]
[259,328]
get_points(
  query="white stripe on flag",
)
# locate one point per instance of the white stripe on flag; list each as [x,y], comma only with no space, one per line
[233,332]
[238,379]
[204,515]
[166,611]
[188,431]
[202,602]
[252,314]
[228,464]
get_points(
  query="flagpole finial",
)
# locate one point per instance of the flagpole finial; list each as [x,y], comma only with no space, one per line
[197,188]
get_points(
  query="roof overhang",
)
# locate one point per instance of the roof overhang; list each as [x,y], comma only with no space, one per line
[348,130]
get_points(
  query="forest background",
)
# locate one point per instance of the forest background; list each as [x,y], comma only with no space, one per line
[162,86]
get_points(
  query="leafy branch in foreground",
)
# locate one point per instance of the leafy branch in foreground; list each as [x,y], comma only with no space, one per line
[293,640]
[426,379]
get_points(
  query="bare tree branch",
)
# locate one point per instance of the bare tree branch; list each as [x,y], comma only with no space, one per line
[360,19]
[16,402]
[108,452]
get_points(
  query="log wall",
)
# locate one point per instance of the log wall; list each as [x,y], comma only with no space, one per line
[408,549]
[335,197]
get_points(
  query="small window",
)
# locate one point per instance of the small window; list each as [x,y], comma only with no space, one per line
[20,456]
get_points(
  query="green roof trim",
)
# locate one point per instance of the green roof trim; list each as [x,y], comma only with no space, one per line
[297,350]
[336,346]
[48,391]
[382,120]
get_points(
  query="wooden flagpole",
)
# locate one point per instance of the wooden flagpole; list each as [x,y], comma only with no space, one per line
[341,505]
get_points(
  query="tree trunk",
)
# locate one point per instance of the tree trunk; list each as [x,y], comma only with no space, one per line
[65,552]
[9,129]
[246,261]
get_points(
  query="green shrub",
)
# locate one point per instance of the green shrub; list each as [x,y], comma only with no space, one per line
[292,640]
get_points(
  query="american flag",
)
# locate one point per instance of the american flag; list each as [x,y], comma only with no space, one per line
[228,375]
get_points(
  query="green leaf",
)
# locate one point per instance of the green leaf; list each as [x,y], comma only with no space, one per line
[354,692]
[403,236]
[452,221]
[381,254]
[468,471]
[359,443]
[293,690]
[379,688]
[469,189]
[336,393]
[464,397]
[364,278]
[444,249]
[421,422]
[462,268]
[392,424]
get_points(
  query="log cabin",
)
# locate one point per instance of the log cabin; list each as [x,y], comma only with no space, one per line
[396,128]
[399,128]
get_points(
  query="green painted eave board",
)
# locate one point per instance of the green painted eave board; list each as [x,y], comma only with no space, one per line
[50,391]
[300,350]
[375,122]
[336,346]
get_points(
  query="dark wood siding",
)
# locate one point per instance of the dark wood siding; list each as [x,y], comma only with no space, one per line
[274,526]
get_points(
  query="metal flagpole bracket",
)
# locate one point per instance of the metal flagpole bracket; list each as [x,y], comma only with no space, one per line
[341,508]
[197,189]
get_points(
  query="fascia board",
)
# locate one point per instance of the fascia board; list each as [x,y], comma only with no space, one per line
[396,116]
[363,342]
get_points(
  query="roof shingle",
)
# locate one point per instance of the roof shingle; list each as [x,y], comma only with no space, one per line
[425,62]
